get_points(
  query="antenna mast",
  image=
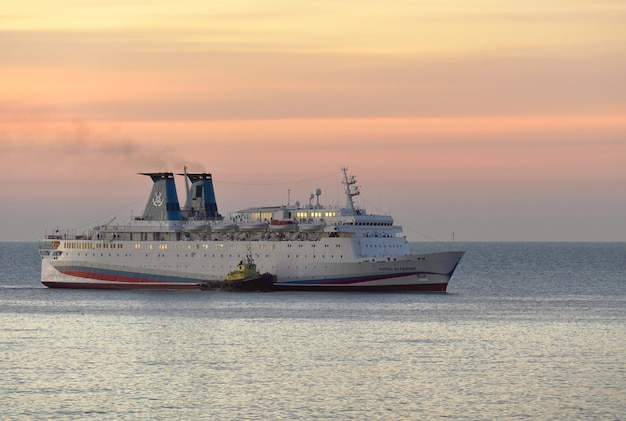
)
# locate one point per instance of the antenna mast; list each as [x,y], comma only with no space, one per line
[351,189]
[187,190]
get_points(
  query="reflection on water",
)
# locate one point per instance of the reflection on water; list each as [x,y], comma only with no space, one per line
[499,350]
[128,367]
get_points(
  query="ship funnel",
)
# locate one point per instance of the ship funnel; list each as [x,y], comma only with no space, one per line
[201,199]
[163,201]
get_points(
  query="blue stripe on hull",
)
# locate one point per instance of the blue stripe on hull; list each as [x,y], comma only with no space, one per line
[356,279]
[363,288]
[361,284]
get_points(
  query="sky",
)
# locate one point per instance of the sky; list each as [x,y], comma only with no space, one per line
[495,120]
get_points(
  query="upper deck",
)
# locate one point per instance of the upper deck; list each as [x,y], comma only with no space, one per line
[164,220]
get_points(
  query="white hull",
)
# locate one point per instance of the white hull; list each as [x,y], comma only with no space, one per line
[296,264]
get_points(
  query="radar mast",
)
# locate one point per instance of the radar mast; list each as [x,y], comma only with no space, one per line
[351,189]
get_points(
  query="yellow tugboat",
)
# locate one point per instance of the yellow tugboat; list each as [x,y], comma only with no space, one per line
[245,278]
[244,271]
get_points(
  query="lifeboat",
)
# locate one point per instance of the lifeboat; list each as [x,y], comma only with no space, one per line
[224,227]
[311,226]
[252,226]
[200,227]
[282,225]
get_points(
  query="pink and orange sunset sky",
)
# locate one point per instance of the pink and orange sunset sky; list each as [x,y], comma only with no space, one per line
[493,119]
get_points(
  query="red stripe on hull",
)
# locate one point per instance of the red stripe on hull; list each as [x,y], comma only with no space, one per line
[122,286]
[109,278]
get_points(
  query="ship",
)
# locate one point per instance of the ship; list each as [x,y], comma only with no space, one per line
[245,278]
[311,247]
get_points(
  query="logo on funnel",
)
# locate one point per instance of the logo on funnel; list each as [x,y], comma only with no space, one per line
[157,199]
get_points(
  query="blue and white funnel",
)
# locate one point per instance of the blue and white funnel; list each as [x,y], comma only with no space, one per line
[201,196]
[163,201]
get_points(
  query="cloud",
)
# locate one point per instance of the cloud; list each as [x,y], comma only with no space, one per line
[327,86]
[37,132]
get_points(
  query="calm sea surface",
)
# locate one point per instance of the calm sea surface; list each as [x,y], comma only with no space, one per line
[527,331]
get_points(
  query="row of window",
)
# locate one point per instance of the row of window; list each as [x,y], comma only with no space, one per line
[315,214]
[196,246]
[323,256]
[379,224]
[79,246]
[90,246]
[163,246]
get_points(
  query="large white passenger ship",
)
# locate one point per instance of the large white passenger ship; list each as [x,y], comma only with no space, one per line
[312,247]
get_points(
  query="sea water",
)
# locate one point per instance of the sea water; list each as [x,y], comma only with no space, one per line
[526,331]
